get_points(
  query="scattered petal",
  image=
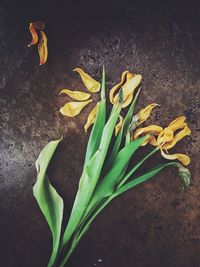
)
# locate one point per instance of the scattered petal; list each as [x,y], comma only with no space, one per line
[91,118]
[92,85]
[39,25]
[118,126]
[72,109]
[42,48]
[77,95]
[34,35]
[184,159]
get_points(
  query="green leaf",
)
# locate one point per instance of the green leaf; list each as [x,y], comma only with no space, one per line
[49,201]
[90,177]
[97,129]
[109,182]
[143,178]
[122,133]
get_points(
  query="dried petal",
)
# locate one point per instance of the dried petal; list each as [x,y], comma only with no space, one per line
[144,113]
[42,48]
[92,85]
[184,132]
[72,109]
[118,126]
[77,95]
[129,88]
[34,35]
[151,130]
[91,118]
[178,123]
[184,159]
[39,25]
[165,137]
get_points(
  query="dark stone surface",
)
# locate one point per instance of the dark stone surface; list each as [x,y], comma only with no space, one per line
[156,224]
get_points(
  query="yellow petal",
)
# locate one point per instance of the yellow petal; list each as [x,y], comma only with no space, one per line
[178,123]
[118,126]
[72,109]
[128,89]
[144,113]
[181,134]
[152,129]
[42,48]
[92,85]
[77,95]
[113,93]
[91,118]
[165,137]
[184,159]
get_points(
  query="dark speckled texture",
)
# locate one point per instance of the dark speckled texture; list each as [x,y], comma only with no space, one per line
[156,224]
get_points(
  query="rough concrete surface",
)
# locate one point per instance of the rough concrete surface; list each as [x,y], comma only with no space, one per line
[157,223]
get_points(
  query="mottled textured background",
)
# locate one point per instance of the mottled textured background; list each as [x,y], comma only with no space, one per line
[156,224]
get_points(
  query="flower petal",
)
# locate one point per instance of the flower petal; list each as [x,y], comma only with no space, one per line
[91,118]
[149,130]
[184,159]
[128,88]
[77,95]
[178,123]
[39,25]
[184,132]
[34,35]
[92,85]
[152,129]
[118,126]
[144,113]
[165,137]
[72,109]
[113,93]
[42,48]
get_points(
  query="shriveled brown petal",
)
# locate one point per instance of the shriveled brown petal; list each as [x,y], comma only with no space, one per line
[34,35]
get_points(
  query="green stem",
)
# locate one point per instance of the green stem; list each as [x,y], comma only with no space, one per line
[137,167]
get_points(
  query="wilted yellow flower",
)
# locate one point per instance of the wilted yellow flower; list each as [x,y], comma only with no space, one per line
[151,131]
[91,118]
[168,138]
[129,82]
[92,85]
[42,48]
[118,126]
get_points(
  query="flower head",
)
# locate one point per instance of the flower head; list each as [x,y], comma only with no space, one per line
[167,138]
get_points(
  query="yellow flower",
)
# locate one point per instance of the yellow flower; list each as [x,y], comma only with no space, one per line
[129,82]
[167,138]
[72,109]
